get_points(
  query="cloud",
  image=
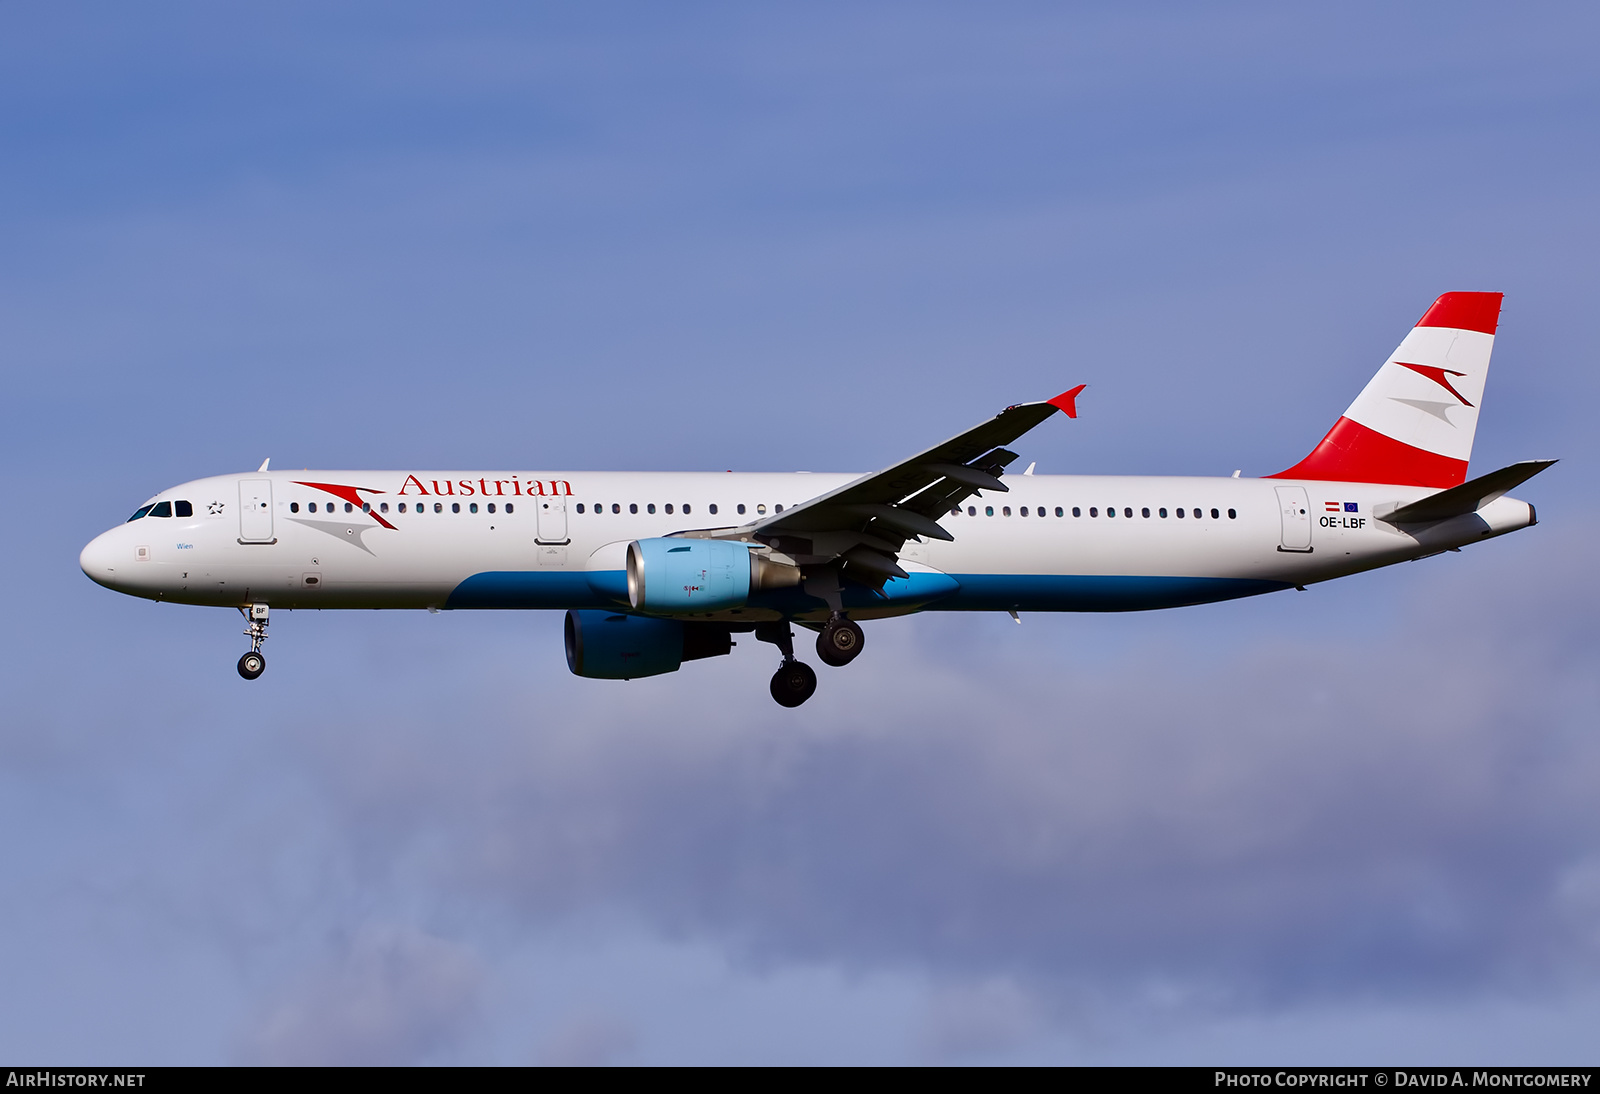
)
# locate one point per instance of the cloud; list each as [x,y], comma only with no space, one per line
[591,1040]
[391,995]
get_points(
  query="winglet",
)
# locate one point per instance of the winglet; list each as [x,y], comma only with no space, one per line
[263,466]
[1068,400]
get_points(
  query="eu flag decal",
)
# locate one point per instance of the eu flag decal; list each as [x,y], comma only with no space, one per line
[1351,507]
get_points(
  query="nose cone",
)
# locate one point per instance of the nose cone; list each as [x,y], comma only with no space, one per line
[101,559]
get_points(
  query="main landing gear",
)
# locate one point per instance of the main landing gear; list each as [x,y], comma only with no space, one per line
[838,644]
[253,664]
[840,641]
[795,681]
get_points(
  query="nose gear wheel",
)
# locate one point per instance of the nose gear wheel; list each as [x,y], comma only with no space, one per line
[253,664]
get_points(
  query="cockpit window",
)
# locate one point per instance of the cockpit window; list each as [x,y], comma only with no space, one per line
[142,512]
[161,509]
[182,509]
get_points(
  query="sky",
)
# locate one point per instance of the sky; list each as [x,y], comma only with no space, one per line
[1351,825]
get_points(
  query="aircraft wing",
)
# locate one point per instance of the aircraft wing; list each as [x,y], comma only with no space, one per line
[863,524]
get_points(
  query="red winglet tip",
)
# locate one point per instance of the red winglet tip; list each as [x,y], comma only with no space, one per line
[1068,400]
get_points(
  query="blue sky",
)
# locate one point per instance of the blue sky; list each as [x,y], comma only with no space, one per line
[1353,825]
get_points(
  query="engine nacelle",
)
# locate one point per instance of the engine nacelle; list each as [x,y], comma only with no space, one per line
[614,646]
[688,575]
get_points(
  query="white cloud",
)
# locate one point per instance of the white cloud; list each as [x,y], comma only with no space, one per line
[390,995]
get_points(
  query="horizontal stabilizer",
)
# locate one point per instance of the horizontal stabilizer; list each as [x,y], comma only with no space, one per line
[1469,497]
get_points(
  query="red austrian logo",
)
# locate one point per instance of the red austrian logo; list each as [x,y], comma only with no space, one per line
[514,487]
[351,494]
[1437,375]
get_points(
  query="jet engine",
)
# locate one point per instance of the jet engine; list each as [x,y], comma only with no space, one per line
[613,646]
[699,575]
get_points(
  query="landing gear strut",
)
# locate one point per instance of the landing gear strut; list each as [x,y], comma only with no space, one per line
[253,664]
[840,641]
[795,681]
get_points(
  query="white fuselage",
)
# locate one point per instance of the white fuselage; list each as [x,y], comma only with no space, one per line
[339,539]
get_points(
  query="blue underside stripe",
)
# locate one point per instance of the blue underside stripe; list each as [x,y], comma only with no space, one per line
[968,592]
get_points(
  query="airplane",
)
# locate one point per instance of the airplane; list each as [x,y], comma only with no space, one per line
[658,568]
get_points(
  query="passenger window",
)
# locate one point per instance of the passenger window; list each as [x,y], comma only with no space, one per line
[1076,511]
[402,507]
[685,510]
[632,507]
[615,508]
[1233,514]
[713,508]
[162,509]
[183,509]
[1162,513]
[761,510]
[777,508]
[1094,511]
[1005,510]
[669,508]
[650,508]
[510,508]
[1128,512]
[1180,514]
[1198,514]
[988,510]
[1145,513]
[1111,510]
[473,507]
[455,507]
[956,512]
[438,507]
[384,508]
[491,507]
[740,507]
[580,507]
[1059,513]
[366,507]
[972,510]
[1215,515]
[348,508]
[294,507]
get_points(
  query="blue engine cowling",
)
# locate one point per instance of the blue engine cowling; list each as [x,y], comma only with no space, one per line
[613,646]
[688,575]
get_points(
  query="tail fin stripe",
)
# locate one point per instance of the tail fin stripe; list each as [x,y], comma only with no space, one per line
[1353,453]
[1479,311]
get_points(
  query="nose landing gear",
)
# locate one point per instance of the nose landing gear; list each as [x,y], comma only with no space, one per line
[253,664]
